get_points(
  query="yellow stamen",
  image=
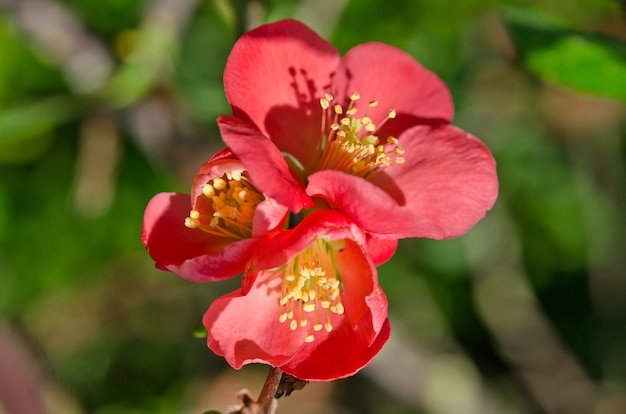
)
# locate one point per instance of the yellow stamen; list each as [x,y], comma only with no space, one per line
[312,287]
[324,103]
[219,183]
[350,144]
[233,200]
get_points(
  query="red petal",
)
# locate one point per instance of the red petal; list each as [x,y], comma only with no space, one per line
[364,301]
[397,81]
[190,253]
[338,357]
[224,154]
[287,244]
[268,217]
[380,250]
[274,78]
[371,207]
[264,163]
[245,328]
[449,176]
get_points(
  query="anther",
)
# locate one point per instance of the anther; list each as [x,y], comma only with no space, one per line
[191,223]
[208,190]
[328,97]
[338,109]
[392,114]
[355,96]
[219,183]
[324,103]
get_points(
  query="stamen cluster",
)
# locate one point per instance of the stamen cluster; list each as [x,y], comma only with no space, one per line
[311,290]
[233,200]
[349,143]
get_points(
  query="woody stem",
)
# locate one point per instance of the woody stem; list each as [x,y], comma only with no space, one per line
[268,393]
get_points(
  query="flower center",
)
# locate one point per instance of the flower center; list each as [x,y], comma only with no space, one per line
[226,207]
[311,290]
[349,143]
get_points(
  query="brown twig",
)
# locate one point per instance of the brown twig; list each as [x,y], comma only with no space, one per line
[268,393]
[266,403]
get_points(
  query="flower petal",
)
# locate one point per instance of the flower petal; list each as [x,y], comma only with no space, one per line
[269,216]
[190,253]
[245,328]
[370,207]
[393,78]
[364,301]
[264,163]
[449,176]
[380,250]
[287,244]
[337,357]
[274,78]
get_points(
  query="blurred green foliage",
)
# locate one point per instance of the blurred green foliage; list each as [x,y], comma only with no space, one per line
[530,301]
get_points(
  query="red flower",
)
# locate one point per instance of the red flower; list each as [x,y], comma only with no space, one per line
[310,303]
[366,134]
[212,236]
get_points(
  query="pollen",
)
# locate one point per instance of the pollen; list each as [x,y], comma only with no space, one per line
[311,290]
[228,206]
[350,142]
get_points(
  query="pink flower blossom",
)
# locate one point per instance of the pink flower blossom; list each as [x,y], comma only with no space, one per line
[310,303]
[367,134]
[210,235]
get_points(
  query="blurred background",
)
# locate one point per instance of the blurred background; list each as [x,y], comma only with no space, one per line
[104,103]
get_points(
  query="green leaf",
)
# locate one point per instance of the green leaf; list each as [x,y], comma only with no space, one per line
[25,129]
[145,66]
[34,118]
[567,57]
